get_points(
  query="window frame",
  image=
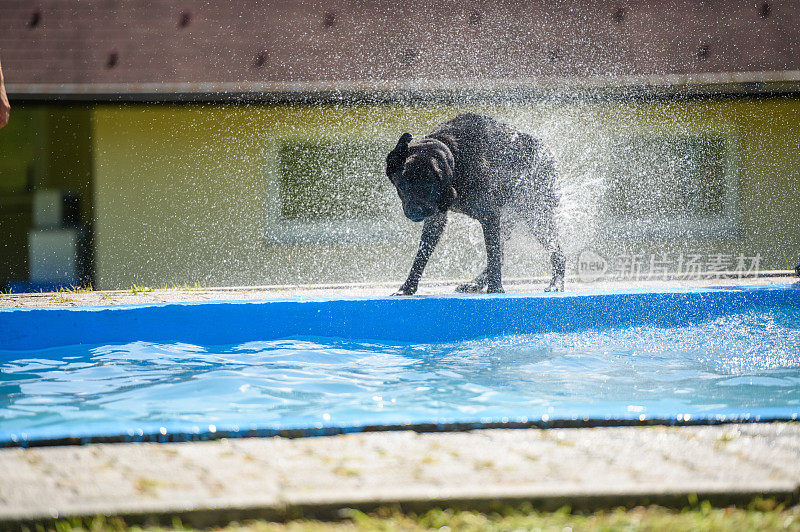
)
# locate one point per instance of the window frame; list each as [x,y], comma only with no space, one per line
[715,226]
[279,230]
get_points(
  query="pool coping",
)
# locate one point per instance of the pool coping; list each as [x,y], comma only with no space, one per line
[418,428]
[330,294]
[144,295]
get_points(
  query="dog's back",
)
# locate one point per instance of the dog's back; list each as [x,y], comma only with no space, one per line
[500,159]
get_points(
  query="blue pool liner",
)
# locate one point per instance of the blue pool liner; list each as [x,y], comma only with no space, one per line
[180,432]
[416,319]
[420,319]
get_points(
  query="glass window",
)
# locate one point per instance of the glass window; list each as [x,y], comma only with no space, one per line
[333,181]
[668,176]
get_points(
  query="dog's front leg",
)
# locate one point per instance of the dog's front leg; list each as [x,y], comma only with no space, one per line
[494,255]
[479,283]
[431,231]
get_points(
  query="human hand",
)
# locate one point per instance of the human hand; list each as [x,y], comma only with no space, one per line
[5,107]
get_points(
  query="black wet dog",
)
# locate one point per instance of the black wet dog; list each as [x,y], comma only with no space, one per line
[487,170]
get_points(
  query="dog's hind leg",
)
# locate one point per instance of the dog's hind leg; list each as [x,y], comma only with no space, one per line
[475,285]
[543,225]
[431,231]
[559,264]
[494,256]
[479,283]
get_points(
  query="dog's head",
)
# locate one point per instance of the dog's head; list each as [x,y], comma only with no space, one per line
[422,172]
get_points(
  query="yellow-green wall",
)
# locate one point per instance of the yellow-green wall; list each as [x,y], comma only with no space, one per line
[180,191]
[180,195]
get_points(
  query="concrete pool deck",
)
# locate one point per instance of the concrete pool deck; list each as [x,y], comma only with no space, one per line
[142,294]
[205,483]
[232,479]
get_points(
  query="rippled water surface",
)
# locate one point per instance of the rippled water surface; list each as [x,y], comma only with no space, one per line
[746,364]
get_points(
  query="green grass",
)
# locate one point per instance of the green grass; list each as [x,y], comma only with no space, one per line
[137,289]
[184,286]
[760,515]
[62,295]
[62,298]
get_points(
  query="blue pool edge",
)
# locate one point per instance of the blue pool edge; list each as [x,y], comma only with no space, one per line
[419,319]
[175,436]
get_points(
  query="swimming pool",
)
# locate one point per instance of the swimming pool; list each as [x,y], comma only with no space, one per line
[317,366]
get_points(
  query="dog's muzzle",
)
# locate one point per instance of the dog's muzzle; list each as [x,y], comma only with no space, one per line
[416,213]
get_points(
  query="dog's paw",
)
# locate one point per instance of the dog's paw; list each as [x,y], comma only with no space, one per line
[495,290]
[555,286]
[469,288]
[406,291]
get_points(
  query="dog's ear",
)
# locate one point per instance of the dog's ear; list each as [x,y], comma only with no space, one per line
[397,157]
[449,195]
[446,166]
[402,144]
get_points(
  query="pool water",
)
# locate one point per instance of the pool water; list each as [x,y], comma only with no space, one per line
[740,365]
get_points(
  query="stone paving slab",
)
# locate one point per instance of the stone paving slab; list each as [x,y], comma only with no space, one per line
[213,482]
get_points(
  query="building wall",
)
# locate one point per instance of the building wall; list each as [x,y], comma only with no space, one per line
[182,191]
[187,194]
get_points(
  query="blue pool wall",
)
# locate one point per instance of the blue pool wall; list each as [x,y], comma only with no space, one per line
[417,319]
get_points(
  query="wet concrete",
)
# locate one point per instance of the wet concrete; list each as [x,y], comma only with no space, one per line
[139,294]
